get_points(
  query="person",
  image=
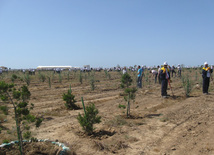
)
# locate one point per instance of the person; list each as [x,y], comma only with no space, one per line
[165,76]
[179,70]
[139,77]
[124,70]
[154,73]
[206,74]
[159,79]
[173,70]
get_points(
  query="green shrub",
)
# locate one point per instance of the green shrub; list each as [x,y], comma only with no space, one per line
[70,101]
[122,106]
[126,81]
[89,119]
[14,77]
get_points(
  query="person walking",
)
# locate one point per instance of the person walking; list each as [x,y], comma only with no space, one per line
[206,74]
[173,70]
[139,77]
[165,76]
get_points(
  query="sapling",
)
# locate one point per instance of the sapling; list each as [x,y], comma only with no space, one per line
[129,93]
[187,85]
[19,98]
[89,118]
[70,101]
[80,77]
[27,79]
[92,83]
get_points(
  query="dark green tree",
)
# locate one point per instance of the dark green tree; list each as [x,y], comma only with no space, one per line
[70,101]
[89,118]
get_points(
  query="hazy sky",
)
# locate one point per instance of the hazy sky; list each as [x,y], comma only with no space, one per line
[106,32]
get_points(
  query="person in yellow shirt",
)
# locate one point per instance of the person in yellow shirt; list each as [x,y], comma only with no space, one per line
[206,74]
[165,76]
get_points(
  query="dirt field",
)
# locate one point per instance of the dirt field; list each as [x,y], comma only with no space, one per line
[177,125]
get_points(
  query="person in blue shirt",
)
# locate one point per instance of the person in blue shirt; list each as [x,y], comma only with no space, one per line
[206,75]
[139,77]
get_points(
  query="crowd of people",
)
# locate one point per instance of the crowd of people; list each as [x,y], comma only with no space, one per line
[164,74]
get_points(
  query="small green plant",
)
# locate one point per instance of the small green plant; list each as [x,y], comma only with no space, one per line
[27,79]
[92,83]
[126,81]
[6,141]
[89,118]
[187,85]
[14,77]
[80,77]
[122,106]
[70,101]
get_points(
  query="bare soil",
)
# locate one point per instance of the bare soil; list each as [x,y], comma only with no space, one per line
[173,126]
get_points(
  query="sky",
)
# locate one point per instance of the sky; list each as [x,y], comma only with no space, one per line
[106,33]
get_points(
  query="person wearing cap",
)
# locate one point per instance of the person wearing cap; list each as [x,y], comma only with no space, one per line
[165,76]
[206,74]
[139,77]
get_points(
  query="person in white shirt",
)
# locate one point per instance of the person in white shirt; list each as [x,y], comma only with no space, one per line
[179,70]
[124,70]
[154,74]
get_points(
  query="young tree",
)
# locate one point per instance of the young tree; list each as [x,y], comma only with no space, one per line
[126,81]
[70,101]
[19,99]
[89,119]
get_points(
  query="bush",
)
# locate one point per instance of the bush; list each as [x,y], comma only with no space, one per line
[70,101]
[14,77]
[89,119]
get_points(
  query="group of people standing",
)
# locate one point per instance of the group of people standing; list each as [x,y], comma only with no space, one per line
[163,75]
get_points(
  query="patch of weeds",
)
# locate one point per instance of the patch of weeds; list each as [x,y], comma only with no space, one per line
[6,141]
[122,106]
